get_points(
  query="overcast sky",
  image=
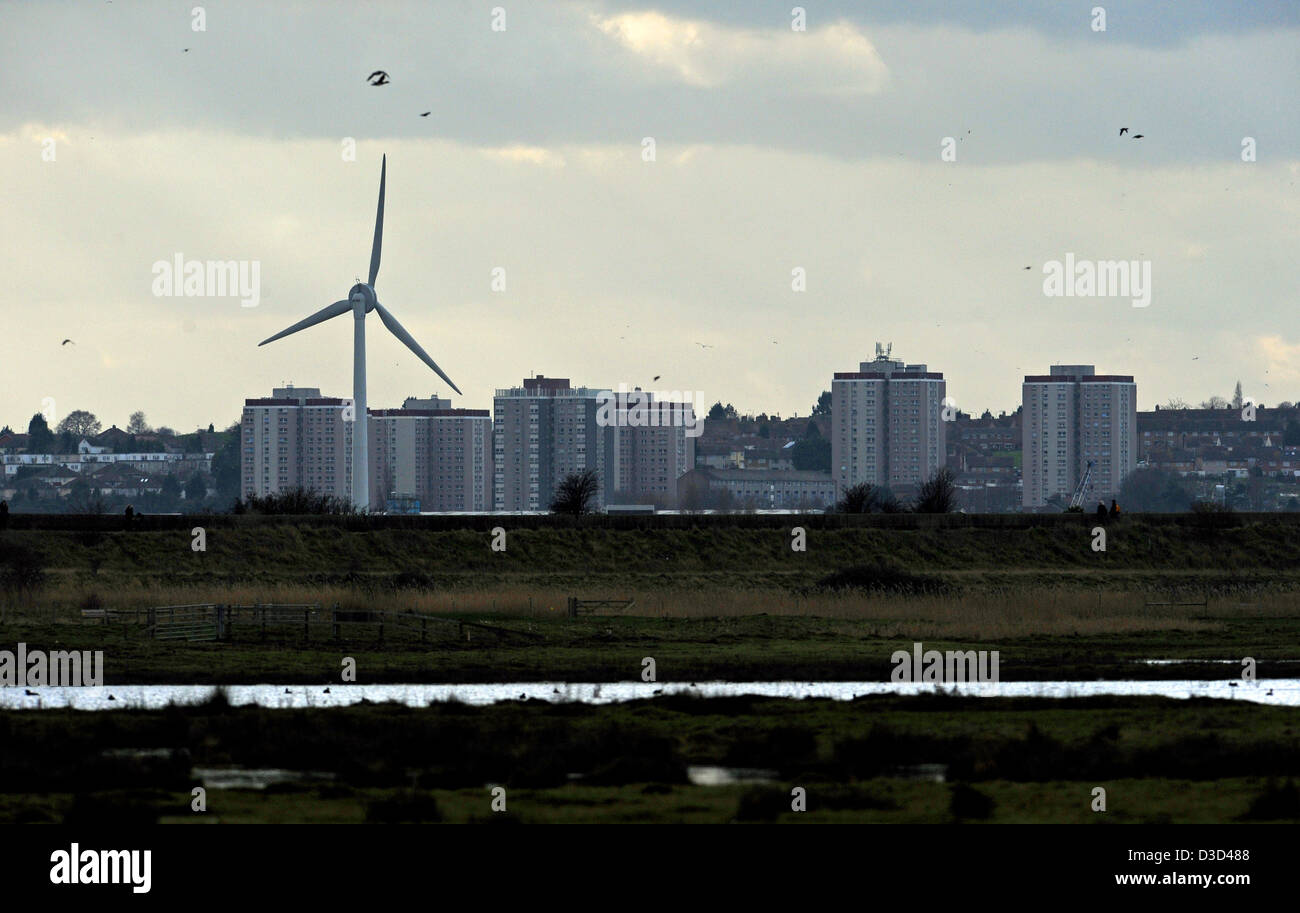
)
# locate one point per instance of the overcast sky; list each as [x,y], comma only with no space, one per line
[775,150]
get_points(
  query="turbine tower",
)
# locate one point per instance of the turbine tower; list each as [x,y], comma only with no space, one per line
[361,300]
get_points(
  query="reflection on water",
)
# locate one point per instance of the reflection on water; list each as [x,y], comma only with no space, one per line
[1192,662]
[704,775]
[252,778]
[1281,691]
[929,773]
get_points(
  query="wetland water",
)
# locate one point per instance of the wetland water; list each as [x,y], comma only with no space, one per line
[1279,691]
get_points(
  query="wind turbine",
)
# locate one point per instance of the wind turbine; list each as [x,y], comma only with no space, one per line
[361,300]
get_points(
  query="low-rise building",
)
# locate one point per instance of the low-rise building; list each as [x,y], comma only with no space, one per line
[755,489]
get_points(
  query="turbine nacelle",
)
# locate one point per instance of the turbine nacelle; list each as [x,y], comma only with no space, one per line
[363,294]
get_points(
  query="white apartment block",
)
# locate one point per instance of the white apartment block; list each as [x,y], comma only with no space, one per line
[296,438]
[543,431]
[426,451]
[648,449]
[1072,416]
[432,453]
[887,421]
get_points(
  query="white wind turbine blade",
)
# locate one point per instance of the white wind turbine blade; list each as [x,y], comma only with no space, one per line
[334,310]
[379,226]
[399,331]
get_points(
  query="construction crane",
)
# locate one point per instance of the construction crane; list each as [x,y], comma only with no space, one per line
[1076,500]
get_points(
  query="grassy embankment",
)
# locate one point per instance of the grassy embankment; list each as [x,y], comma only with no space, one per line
[711,603]
[1140,556]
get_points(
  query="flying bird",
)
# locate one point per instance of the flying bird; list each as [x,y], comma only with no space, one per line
[1028,267]
[1138,135]
[1123,130]
[66,341]
[426,113]
[378,78]
[703,346]
[185,50]
[657,376]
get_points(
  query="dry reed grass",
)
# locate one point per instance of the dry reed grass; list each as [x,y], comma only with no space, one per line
[1016,613]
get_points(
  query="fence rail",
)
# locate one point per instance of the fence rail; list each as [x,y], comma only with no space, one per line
[219,622]
[596,606]
[188,622]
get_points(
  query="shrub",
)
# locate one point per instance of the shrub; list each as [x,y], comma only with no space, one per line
[884,576]
[969,804]
[937,494]
[1275,803]
[865,498]
[296,501]
[414,808]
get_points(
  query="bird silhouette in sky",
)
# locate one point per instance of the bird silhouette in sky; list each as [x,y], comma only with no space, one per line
[66,341]
[657,376]
[426,113]
[703,346]
[1123,130]
[1139,135]
[378,78]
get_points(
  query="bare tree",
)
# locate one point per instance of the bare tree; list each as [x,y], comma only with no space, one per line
[856,499]
[865,498]
[576,493]
[137,423]
[937,494]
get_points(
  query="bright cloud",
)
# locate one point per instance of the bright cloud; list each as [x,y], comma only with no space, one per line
[837,59]
[532,155]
